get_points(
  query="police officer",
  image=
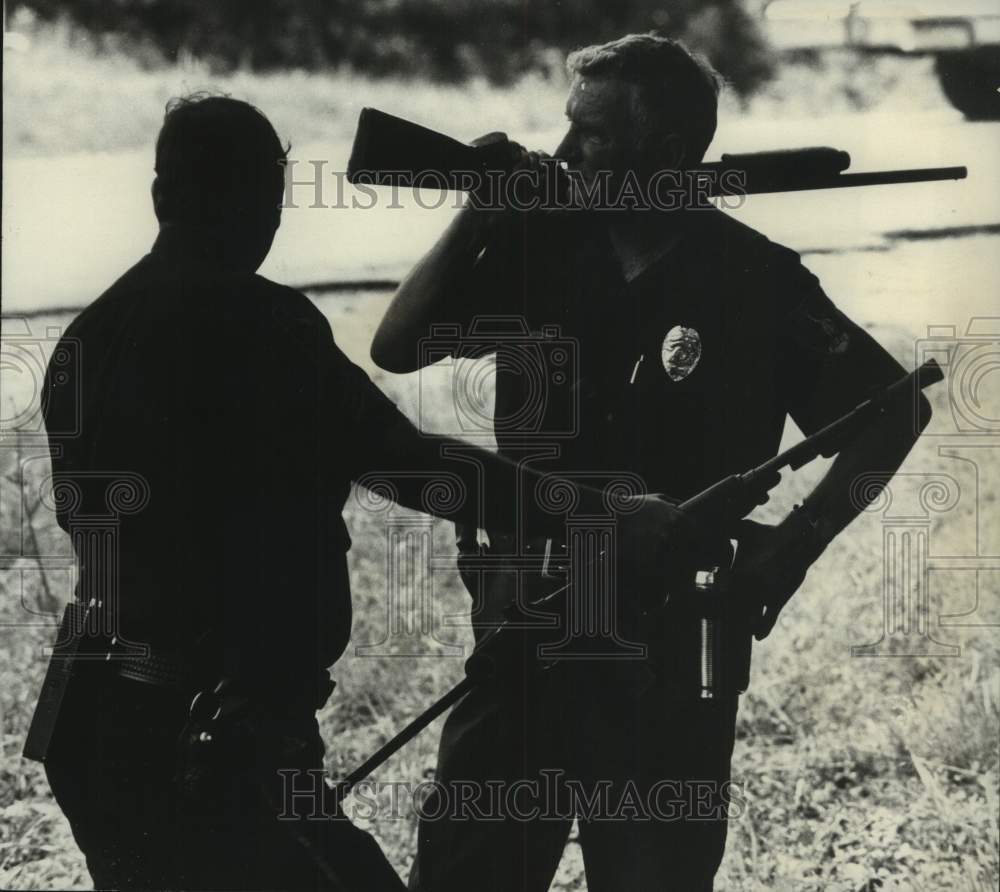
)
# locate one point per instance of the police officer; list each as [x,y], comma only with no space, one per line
[214,410]
[696,337]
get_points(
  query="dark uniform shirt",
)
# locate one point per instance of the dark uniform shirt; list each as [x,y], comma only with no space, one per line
[753,339]
[225,405]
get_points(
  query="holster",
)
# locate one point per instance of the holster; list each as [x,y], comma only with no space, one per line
[235,739]
[72,648]
[709,632]
[216,741]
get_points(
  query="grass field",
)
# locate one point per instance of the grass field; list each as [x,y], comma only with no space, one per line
[854,770]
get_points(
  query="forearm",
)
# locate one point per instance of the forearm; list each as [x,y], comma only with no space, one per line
[422,297]
[773,561]
[456,481]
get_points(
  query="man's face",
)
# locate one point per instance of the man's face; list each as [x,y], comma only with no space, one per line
[601,133]
[605,135]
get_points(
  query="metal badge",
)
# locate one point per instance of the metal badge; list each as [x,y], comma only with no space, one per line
[681,352]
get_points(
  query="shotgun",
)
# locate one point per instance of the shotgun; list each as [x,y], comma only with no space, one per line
[392,151]
[722,503]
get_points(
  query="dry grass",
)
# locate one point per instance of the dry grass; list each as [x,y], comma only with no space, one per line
[854,771]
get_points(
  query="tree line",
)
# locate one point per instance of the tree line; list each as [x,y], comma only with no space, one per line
[446,40]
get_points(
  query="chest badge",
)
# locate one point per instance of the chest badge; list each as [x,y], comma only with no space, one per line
[681,351]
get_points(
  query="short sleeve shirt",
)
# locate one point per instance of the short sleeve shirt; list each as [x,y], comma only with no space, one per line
[227,396]
[682,375]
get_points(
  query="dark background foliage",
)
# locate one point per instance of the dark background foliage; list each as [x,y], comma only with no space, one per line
[442,39]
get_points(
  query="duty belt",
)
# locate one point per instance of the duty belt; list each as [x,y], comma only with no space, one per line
[162,670]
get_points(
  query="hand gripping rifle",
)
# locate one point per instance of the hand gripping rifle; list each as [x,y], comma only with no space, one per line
[392,151]
[719,506]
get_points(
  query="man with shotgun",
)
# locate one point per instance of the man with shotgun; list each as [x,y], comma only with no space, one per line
[694,337]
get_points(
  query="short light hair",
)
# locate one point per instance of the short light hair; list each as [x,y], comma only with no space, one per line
[678,91]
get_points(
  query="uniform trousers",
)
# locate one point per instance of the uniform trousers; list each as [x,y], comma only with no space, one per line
[643,766]
[111,767]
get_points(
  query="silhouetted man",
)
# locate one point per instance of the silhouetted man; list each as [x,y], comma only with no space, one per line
[695,337]
[220,430]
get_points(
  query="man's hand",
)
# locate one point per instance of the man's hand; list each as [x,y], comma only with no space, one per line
[651,537]
[771,563]
[519,157]
[485,200]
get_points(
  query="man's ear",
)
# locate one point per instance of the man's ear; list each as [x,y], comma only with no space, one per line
[159,202]
[670,151]
[659,151]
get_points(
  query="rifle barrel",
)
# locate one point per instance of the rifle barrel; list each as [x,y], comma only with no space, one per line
[761,184]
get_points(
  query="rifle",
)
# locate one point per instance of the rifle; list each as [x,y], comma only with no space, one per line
[723,503]
[392,151]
